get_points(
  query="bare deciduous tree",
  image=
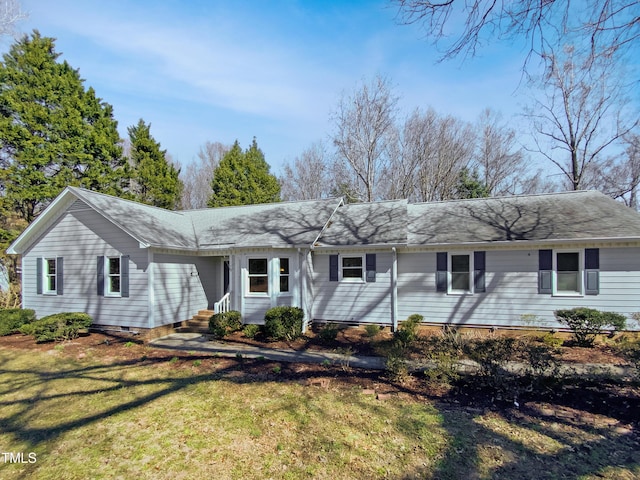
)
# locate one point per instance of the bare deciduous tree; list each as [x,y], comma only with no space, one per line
[10,14]
[605,25]
[620,177]
[198,174]
[499,160]
[307,178]
[432,152]
[580,116]
[364,127]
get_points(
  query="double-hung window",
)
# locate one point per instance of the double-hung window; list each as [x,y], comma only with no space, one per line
[352,269]
[569,272]
[49,275]
[49,278]
[113,276]
[568,278]
[258,275]
[460,273]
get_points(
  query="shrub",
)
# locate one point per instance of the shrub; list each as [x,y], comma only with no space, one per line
[59,326]
[407,332]
[587,323]
[329,332]
[550,340]
[283,323]
[491,354]
[222,324]
[397,368]
[13,318]
[372,330]
[251,330]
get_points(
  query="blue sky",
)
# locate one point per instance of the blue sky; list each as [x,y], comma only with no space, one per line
[219,71]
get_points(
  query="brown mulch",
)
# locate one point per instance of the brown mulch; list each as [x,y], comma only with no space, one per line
[618,400]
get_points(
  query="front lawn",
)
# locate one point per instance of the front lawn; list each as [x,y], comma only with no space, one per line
[123,410]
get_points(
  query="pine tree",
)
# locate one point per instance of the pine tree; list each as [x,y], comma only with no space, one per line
[53,132]
[243,178]
[154,180]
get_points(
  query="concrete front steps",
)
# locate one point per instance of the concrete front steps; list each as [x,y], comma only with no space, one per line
[198,324]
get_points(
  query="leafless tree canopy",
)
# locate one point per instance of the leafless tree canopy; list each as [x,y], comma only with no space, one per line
[10,14]
[606,25]
[364,124]
[308,177]
[580,115]
[197,175]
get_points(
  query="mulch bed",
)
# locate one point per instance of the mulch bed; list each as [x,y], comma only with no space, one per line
[617,400]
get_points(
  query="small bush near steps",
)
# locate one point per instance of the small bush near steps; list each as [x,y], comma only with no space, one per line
[251,330]
[60,326]
[222,324]
[283,323]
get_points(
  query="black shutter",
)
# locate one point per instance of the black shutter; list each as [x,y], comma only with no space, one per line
[545,268]
[591,271]
[100,276]
[371,267]
[39,262]
[59,276]
[333,268]
[478,272]
[441,271]
[124,276]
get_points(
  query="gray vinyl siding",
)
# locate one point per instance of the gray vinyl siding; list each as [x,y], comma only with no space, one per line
[512,290]
[80,235]
[352,302]
[183,285]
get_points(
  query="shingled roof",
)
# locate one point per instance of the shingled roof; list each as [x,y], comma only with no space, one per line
[568,216]
[377,223]
[561,216]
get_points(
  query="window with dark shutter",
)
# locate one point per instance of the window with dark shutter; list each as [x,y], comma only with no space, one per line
[441,271]
[591,271]
[371,267]
[478,272]
[333,268]
[545,271]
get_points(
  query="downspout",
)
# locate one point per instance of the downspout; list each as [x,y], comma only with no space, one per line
[151,289]
[394,291]
[301,289]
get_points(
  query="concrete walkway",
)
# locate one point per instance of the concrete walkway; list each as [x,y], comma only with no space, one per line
[196,342]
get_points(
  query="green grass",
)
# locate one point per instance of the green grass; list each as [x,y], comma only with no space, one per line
[100,418]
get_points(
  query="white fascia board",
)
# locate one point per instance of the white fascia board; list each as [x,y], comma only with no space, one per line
[47,216]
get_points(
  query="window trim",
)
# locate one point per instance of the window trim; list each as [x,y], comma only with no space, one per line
[470,277]
[107,276]
[249,275]
[554,273]
[363,269]
[46,275]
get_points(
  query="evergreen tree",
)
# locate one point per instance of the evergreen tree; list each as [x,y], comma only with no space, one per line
[243,178]
[154,179]
[53,132]
[470,186]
